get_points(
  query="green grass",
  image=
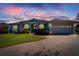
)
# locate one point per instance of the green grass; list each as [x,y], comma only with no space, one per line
[13,39]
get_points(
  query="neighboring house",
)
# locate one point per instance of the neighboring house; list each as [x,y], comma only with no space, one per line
[3,28]
[56,26]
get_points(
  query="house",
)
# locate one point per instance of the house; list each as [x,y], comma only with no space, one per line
[55,26]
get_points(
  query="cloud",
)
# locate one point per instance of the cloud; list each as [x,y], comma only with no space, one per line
[46,14]
[41,11]
[41,15]
[13,10]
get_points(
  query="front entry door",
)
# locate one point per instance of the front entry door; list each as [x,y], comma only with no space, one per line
[33,27]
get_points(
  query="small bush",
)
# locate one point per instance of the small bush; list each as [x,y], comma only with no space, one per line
[4,30]
[42,32]
[77,29]
[26,31]
[22,31]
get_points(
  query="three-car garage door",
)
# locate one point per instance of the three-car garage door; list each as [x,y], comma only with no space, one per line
[61,29]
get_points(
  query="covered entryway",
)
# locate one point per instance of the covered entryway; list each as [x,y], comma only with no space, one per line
[33,27]
[36,24]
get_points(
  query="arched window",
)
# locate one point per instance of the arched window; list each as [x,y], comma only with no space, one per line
[26,26]
[41,26]
[15,27]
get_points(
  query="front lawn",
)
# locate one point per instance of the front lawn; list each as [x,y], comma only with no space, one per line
[13,39]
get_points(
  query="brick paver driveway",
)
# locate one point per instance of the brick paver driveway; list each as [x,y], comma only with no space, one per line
[53,45]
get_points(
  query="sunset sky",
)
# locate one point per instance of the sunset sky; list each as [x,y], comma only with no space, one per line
[25,11]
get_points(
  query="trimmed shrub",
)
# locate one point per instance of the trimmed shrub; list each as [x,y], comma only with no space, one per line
[3,30]
[42,32]
[26,31]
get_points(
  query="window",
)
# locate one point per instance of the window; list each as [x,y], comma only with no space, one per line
[15,27]
[61,26]
[41,26]
[26,26]
[65,26]
[70,26]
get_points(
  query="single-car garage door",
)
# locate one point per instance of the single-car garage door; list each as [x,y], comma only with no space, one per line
[61,30]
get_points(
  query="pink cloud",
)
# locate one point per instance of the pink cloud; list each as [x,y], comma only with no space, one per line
[13,10]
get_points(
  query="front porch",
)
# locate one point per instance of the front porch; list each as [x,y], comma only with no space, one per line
[33,25]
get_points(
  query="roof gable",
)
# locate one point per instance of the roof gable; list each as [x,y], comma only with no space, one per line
[33,20]
[36,20]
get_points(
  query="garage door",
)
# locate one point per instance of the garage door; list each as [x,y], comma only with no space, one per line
[61,30]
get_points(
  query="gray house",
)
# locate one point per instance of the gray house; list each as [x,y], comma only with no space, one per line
[56,26]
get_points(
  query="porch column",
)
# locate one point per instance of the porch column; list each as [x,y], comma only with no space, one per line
[30,27]
[20,27]
[50,25]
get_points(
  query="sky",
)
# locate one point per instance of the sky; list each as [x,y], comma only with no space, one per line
[47,11]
